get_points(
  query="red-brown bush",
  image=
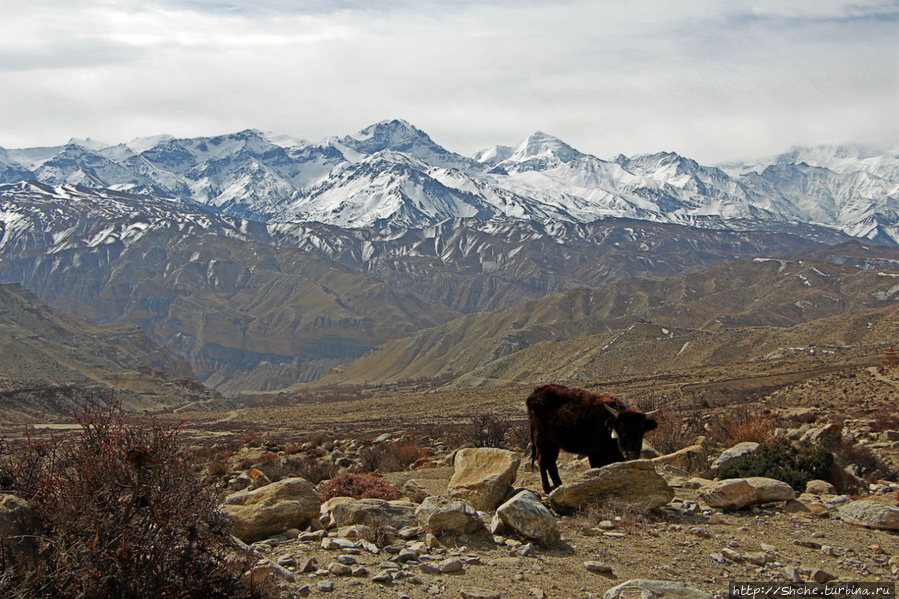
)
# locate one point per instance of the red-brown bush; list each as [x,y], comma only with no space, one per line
[360,486]
[124,514]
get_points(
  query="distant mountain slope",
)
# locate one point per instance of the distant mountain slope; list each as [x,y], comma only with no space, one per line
[735,311]
[393,174]
[245,314]
[51,362]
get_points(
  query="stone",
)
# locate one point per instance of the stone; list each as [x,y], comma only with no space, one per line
[736,451]
[689,459]
[791,573]
[471,593]
[274,508]
[338,569]
[729,494]
[828,433]
[448,516]
[636,481]
[769,490]
[526,515]
[453,564]
[822,576]
[414,491]
[482,475]
[820,487]
[374,513]
[599,567]
[870,514]
[19,527]
[655,589]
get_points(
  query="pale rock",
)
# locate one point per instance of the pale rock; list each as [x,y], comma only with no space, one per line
[449,565]
[526,515]
[482,475]
[870,514]
[820,487]
[769,490]
[636,481]
[374,512]
[729,494]
[740,449]
[448,516]
[274,508]
[655,589]
[599,567]
[689,459]
[472,593]
[823,434]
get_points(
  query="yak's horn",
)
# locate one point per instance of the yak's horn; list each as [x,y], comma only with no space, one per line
[613,411]
[653,413]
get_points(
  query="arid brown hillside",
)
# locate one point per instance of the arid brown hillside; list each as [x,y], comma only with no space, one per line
[743,310]
[51,362]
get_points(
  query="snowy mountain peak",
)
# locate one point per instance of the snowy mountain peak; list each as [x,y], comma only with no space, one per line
[493,155]
[89,143]
[543,146]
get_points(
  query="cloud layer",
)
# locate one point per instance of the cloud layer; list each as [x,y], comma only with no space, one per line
[709,79]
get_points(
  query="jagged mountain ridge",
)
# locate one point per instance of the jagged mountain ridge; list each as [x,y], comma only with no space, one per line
[392,173]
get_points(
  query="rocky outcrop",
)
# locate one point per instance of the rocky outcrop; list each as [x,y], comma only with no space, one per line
[636,481]
[483,476]
[288,503]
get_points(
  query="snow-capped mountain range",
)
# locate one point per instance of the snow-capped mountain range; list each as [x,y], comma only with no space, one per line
[393,174]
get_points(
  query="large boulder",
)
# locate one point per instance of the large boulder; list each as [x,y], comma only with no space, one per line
[19,528]
[288,503]
[769,490]
[689,459]
[740,449]
[655,589]
[526,515]
[483,475]
[374,512]
[870,514]
[729,494]
[447,516]
[636,481]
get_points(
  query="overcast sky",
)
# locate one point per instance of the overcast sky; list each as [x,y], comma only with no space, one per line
[713,80]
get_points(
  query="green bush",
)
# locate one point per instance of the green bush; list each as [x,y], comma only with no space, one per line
[781,460]
[125,515]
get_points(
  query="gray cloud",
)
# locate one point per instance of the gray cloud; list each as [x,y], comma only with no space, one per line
[712,80]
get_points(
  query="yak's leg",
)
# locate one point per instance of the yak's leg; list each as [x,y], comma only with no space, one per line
[546,458]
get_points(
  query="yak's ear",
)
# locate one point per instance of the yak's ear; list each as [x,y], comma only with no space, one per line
[650,424]
[614,434]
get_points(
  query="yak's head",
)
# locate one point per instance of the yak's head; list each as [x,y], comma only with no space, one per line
[628,427]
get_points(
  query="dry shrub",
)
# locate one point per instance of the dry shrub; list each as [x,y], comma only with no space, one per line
[737,426]
[312,469]
[628,513]
[392,457]
[675,430]
[124,514]
[869,465]
[360,486]
[488,430]
[379,532]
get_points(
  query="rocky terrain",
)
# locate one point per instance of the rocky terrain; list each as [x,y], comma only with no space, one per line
[700,533]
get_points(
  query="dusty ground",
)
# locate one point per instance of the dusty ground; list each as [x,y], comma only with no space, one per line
[677,544]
